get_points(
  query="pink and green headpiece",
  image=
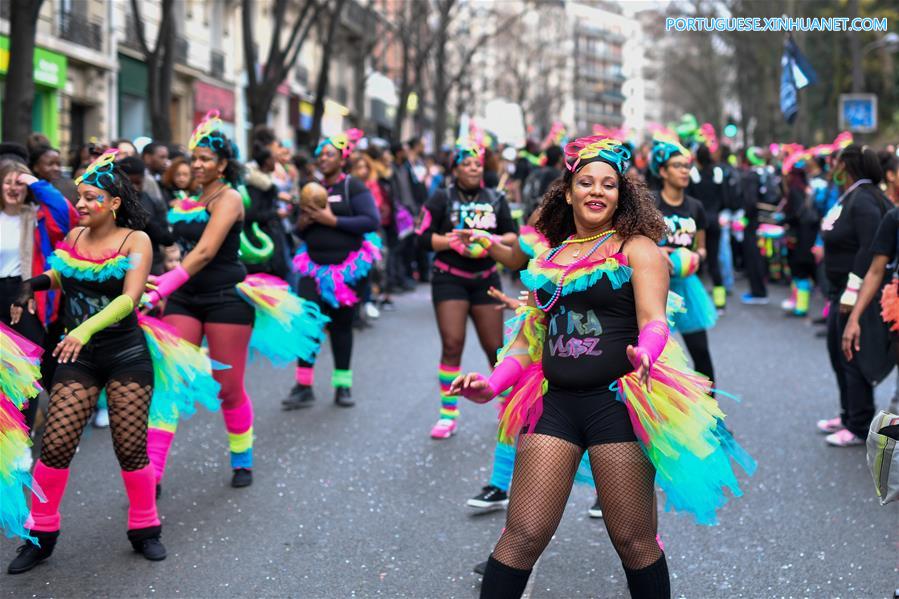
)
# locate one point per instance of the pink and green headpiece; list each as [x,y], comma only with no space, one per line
[585,150]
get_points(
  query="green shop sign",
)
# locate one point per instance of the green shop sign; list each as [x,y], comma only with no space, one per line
[49,67]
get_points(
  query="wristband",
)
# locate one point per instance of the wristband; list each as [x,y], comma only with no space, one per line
[505,375]
[167,283]
[850,295]
[484,238]
[114,311]
[650,343]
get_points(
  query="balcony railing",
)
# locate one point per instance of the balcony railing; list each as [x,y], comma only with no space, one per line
[217,64]
[77,29]
[131,38]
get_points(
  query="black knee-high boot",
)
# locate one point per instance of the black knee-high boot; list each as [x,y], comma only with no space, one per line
[650,582]
[502,581]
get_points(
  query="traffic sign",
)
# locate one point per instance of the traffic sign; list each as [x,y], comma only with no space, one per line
[858,112]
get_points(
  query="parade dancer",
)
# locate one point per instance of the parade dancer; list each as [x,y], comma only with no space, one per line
[102,267]
[684,245]
[210,296]
[885,262]
[848,230]
[706,183]
[460,224]
[338,246]
[588,345]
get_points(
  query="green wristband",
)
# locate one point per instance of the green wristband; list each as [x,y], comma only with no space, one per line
[115,311]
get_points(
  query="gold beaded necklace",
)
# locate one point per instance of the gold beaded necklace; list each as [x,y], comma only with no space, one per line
[577,252]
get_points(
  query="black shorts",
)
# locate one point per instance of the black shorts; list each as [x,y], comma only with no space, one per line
[224,306]
[585,417]
[110,355]
[446,286]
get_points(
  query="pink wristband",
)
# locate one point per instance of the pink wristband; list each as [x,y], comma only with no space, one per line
[651,342]
[167,283]
[505,375]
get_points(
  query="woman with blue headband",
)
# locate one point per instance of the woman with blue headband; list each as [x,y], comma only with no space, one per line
[592,370]
[338,246]
[462,224]
[102,267]
[684,245]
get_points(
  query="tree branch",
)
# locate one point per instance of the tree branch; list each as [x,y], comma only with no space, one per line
[139,26]
[249,49]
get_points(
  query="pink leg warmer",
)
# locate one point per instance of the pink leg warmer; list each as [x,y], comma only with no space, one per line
[158,444]
[45,517]
[240,419]
[140,485]
[304,375]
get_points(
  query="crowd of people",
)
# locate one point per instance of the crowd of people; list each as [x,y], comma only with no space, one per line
[121,267]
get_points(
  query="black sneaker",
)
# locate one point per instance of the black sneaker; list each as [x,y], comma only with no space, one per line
[490,498]
[480,568]
[343,397]
[30,555]
[596,510]
[301,396]
[242,477]
[146,542]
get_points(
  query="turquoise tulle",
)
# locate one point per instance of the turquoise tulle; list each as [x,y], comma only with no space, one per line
[584,474]
[287,327]
[14,512]
[182,375]
[695,485]
[617,276]
[700,313]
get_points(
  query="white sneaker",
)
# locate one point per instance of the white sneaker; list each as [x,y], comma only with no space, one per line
[101,418]
[372,311]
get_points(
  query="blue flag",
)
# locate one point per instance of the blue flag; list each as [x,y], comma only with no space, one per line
[796,73]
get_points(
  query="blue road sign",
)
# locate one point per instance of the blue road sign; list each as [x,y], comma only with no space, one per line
[858,112]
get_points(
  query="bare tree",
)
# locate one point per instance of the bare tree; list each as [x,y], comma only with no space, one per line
[160,64]
[459,53]
[416,42]
[330,17]
[262,86]
[19,97]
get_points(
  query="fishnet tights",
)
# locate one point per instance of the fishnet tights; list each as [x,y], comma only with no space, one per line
[72,402]
[544,472]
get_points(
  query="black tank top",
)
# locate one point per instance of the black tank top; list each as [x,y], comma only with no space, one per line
[330,245]
[224,270]
[587,335]
[84,295]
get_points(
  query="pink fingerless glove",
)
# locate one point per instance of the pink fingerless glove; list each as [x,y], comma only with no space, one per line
[503,376]
[167,283]
[457,245]
[651,342]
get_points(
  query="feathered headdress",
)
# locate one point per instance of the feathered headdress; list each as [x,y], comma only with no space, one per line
[344,142]
[209,133]
[466,148]
[585,150]
[100,172]
[662,151]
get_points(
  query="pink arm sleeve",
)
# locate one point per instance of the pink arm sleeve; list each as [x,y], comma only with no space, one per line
[505,375]
[651,342]
[167,283]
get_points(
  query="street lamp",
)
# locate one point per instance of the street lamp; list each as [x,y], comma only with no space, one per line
[890,41]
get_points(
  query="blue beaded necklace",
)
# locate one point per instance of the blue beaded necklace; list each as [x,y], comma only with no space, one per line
[568,269]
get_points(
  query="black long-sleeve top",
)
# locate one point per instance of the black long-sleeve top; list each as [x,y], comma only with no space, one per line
[352,204]
[847,245]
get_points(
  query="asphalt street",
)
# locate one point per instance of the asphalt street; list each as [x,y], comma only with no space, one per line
[361,502]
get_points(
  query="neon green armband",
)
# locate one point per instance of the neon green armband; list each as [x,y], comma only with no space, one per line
[115,311]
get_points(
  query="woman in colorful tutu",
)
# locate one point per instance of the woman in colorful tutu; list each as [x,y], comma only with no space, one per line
[684,245]
[582,356]
[338,247]
[102,268]
[461,224]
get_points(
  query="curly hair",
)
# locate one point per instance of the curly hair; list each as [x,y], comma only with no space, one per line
[131,214]
[636,213]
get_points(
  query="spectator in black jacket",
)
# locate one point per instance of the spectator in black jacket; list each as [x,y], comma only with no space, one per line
[707,186]
[263,210]
[157,226]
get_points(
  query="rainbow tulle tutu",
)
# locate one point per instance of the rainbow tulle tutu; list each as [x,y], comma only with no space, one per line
[287,327]
[700,313]
[19,375]
[532,242]
[182,374]
[679,423]
[334,281]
